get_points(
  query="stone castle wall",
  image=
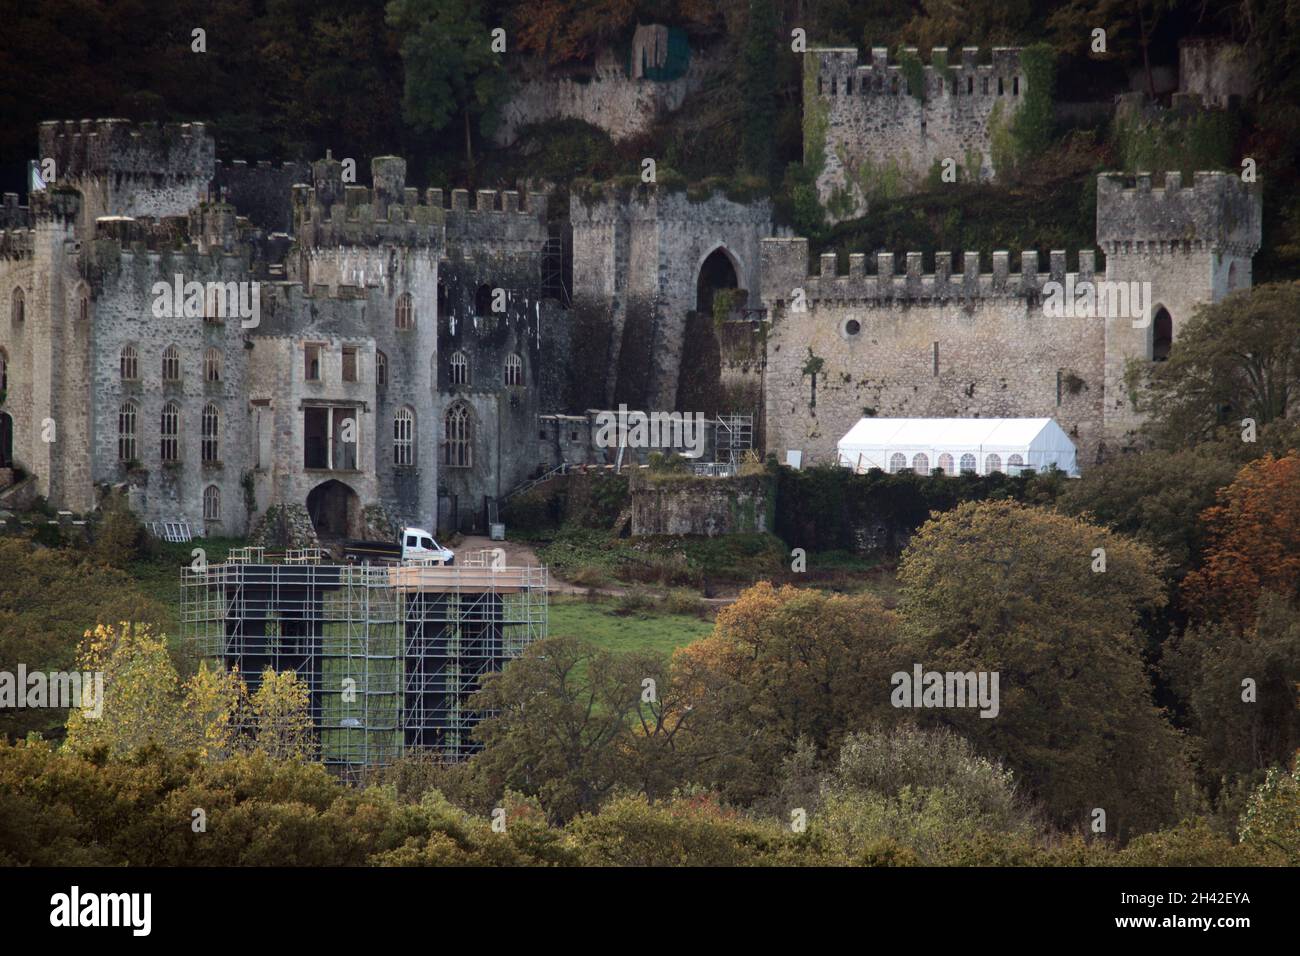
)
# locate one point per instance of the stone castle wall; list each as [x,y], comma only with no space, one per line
[874,134]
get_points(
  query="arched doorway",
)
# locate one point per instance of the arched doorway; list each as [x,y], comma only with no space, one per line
[335,509]
[6,440]
[716,272]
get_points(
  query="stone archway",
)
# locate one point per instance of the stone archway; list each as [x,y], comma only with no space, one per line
[719,270]
[335,510]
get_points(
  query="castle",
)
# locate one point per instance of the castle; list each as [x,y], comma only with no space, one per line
[278,349]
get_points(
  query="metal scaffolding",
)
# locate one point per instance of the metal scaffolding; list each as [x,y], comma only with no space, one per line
[391,655]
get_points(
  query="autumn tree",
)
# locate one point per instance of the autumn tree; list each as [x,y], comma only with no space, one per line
[1051,605]
[1254,543]
[1234,359]
[216,710]
[783,665]
[139,696]
[281,713]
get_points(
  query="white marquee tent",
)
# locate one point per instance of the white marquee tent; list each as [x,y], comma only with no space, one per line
[981,445]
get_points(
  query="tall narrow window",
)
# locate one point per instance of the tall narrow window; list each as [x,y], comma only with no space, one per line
[211,433]
[212,365]
[1162,336]
[311,362]
[169,432]
[18,305]
[405,319]
[514,372]
[457,441]
[171,364]
[381,369]
[4,371]
[459,369]
[129,364]
[211,503]
[483,300]
[213,312]
[83,308]
[126,415]
[350,363]
[403,437]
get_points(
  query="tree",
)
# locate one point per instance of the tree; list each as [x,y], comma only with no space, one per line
[139,695]
[783,665]
[1240,729]
[216,711]
[1254,543]
[563,727]
[281,708]
[759,85]
[924,790]
[1237,358]
[1271,822]
[998,587]
[450,65]
[1153,497]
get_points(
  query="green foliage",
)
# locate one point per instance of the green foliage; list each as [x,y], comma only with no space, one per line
[48,600]
[759,85]
[913,73]
[118,536]
[1236,358]
[450,67]
[1155,497]
[1034,123]
[1271,823]
[822,508]
[1076,721]
[1186,142]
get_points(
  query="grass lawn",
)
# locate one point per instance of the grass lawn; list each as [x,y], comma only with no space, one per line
[596,622]
[159,574]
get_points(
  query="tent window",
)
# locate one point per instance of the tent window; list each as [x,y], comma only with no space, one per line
[1015,465]
[921,463]
[897,462]
[946,464]
[968,462]
[992,463]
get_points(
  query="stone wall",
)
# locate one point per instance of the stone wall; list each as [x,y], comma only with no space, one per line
[605,95]
[641,250]
[1215,69]
[870,131]
[700,506]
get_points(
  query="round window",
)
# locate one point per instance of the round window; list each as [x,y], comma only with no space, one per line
[852,327]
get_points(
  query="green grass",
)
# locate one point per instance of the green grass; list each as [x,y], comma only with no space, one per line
[158,574]
[666,560]
[597,623]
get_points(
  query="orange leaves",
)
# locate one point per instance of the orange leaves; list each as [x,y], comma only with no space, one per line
[1254,535]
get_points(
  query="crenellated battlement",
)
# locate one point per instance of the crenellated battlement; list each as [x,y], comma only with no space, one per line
[841,72]
[92,148]
[17,243]
[616,201]
[786,268]
[12,215]
[1217,211]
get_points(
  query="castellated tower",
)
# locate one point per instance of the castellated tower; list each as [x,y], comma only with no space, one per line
[879,128]
[1192,242]
[123,168]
